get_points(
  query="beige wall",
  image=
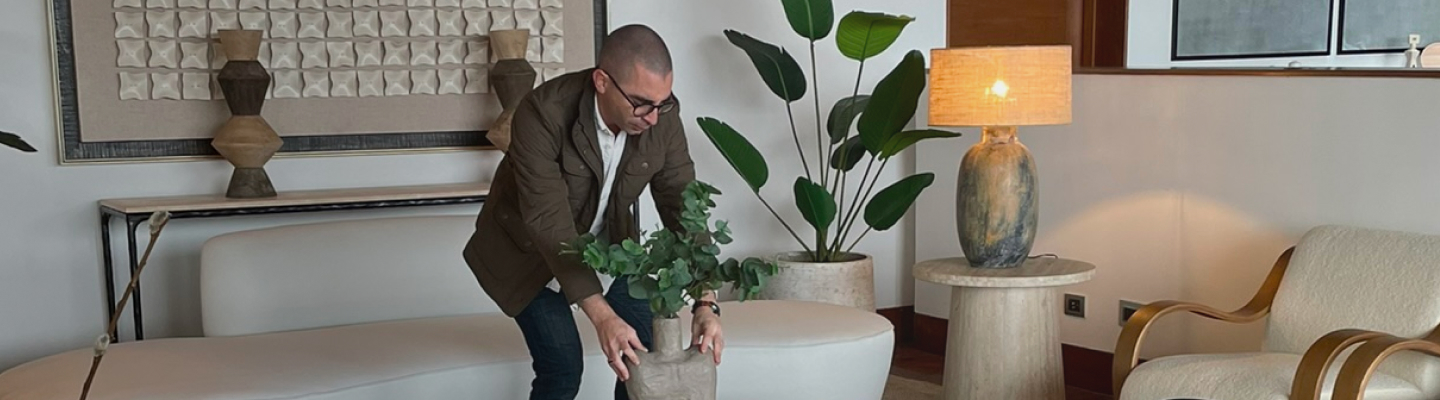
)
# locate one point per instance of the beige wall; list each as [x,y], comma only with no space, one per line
[1188,187]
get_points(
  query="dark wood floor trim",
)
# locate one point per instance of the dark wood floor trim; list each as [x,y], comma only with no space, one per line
[904,320]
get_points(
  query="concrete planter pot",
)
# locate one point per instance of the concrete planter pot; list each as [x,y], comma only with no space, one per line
[670,371]
[850,282]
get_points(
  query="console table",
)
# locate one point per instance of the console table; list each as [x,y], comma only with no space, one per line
[137,210]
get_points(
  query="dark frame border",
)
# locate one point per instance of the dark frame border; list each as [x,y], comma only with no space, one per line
[1175,41]
[1340,44]
[73,150]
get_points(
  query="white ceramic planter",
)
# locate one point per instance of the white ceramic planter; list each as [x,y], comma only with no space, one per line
[847,283]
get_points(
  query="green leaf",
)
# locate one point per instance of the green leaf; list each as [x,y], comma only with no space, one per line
[862,35]
[893,104]
[815,203]
[742,155]
[888,206]
[642,287]
[810,18]
[850,153]
[903,140]
[843,114]
[632,247]
[14,141]
[779,70]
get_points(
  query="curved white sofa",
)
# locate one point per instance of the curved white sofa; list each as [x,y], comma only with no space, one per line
[387,309]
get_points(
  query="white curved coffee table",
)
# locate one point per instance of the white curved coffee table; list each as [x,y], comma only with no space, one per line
[1004,337]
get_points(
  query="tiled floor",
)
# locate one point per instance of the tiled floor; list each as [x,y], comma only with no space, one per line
[915,364]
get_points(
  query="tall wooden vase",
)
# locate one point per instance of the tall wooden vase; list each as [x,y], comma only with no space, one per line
[670,371]
[512,76]
[246,140]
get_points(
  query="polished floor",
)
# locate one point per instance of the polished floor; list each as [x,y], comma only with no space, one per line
[913,363]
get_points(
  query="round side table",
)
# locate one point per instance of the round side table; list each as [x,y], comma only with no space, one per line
[1003,338]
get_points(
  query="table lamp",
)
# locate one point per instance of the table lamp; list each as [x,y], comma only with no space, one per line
[998,89]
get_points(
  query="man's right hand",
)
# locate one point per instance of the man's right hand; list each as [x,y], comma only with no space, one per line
[617,338]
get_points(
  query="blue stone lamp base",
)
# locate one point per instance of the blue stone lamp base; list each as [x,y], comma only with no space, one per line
[996,204]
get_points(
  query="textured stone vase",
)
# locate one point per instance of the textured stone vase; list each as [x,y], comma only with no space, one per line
[850,282]
[246,140]
[996,205]
[512,77]
[669,371]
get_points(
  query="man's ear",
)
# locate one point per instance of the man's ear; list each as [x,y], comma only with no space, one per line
[597,77]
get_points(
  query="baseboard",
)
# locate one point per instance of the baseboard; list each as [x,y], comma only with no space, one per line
[1084,368]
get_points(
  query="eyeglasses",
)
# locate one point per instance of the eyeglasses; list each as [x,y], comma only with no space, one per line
[642,108]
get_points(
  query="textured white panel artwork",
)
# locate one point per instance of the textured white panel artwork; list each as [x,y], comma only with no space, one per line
[283,25]
[526,4]
[477,23]
[162,23]
[532,51]
[423,53]
[132,53]
[372,83]
[288,85]
[164,54]
[284,55]
[314,55]
[447,3]
[194,24]
[343,84]
[217,93]
[339,24]
[452,81]
[421,3]
[195,86]
[252,4]
[554,23]
[392,3]
[422,23]
[451,52]
[134,86]
[342,54]
[499,3]
[452,22]
[500,20]
[223,20]
[479,51]
[367,24]
[190,3]
[217,57]
[369,54]
[552,73]
[529,19]
[554,50]
[338,3]
[424,82]
[312,4]
[159,3]
[129,3]
[477,81]
[552,3]
[195,55]
[257,20]
[130,25]
[366,3]
[165,86]
[472,3]
[317,84]
[312,25]
[222,4]
[394,24]
[397,53]
[282,4]
[397,83]
[264,54]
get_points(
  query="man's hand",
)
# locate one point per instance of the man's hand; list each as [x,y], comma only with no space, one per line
[706,333]
[617,338]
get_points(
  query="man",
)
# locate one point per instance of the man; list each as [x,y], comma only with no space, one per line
[583,147]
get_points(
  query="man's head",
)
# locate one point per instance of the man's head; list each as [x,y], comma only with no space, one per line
[634,80]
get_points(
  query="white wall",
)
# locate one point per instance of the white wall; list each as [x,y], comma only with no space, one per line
[1188,187]
[51,291]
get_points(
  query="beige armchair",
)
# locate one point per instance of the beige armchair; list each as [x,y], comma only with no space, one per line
[1338,288]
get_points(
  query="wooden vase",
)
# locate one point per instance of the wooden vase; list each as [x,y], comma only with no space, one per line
[669,371]
[247,141]
[512,77]
[997,203]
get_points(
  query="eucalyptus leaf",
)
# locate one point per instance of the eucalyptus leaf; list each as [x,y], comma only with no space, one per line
[893,104]
[777,68]
[843,114]
[816,204]
[888,206]
[847,155]
[742,155]
[862,35]
[810,18]
[903,140]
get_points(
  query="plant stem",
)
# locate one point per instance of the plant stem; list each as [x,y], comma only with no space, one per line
[843,176]
[820,139]
[865,196]
[796,134]
[848,217]
[115,319]
[857,240]
[782,222]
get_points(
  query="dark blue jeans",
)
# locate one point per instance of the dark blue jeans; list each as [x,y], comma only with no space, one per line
[549,328]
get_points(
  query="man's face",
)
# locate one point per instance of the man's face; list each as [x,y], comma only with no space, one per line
[621,98]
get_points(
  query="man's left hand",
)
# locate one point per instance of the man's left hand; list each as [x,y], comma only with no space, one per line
[706,332]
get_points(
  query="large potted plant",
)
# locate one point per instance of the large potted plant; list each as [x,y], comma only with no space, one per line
[669,268]
[828,270]
[14,141]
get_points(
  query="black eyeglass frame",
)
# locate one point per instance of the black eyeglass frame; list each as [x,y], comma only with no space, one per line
[664,106]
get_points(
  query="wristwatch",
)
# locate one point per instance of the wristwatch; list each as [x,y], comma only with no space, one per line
[699,303]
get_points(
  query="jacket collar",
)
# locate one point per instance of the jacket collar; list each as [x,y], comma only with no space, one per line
[584,131]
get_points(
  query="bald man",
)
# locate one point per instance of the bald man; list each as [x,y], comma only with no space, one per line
[583,147]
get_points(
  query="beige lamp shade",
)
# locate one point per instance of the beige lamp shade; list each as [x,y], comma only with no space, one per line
[1000,86]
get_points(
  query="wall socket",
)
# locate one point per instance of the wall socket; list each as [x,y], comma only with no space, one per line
[1128,308]
[1075,305]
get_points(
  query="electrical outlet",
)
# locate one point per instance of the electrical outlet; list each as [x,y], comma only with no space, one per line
[1128,308]
[1075,305]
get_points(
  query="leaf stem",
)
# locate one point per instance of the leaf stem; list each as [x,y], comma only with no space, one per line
[856,214]
[782,222]
[796,134]
[844,174]
[820,139]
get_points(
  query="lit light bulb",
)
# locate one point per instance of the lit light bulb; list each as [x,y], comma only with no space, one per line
[999,89]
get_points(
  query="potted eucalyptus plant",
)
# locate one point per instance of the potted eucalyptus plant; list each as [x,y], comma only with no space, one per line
[828,270]
[669,268]
[14,141]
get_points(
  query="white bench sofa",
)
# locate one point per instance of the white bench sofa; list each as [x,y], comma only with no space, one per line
[387,309]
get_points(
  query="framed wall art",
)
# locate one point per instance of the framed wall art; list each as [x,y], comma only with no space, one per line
[1210,29]
[136,78]
[1384,26]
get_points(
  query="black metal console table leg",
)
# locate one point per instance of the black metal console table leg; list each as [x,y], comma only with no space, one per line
[109,267]
[131,225]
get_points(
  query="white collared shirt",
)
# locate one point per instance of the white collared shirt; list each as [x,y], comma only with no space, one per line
[612,146]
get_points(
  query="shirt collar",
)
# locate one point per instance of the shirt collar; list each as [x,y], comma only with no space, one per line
[600,125]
